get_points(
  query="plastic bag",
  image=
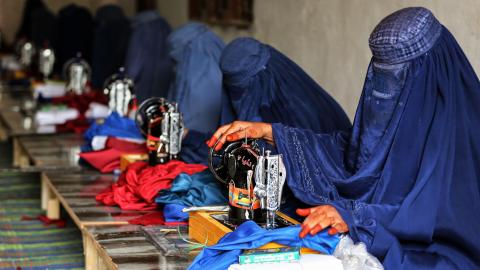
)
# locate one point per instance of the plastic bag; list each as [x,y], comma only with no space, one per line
[355,256]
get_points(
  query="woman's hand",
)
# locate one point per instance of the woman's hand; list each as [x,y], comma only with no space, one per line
[239,130]
[321,217]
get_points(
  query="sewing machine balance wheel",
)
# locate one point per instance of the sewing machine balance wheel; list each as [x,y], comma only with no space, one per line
[150,108]
[217,160]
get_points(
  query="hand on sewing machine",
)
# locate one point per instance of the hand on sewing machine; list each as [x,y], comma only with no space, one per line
[321,217]
[239,130]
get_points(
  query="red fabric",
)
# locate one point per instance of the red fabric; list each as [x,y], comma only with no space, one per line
[108,159]
[154,218]
[81,103]
[78,125]
[60,223]
[139,184]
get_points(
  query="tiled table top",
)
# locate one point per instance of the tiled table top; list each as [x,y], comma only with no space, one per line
[53,151]
[77,191]
[126,247]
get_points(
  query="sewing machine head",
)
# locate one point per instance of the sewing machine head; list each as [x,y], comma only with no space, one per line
[162,124]
[255,181]
[26,51]
[46,59]
[77,73]
[120,92]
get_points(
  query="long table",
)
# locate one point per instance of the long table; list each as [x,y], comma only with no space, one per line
[48,152]
[109,242]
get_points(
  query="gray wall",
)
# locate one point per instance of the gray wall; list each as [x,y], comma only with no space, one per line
[328,38]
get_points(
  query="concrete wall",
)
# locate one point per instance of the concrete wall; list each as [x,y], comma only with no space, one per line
[328,38]
[11,11]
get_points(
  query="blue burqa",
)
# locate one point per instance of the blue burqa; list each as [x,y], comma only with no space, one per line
[147,60]
[198,80]
[110,40]
[406,179]
[262,84]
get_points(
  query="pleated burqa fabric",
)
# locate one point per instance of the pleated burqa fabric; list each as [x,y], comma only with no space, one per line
[75,34]
[147,61]
[197,87]
[110,40]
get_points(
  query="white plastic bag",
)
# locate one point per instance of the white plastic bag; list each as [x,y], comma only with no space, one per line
[355,256]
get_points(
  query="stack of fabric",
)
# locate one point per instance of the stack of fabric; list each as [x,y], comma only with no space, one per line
[200,189]
[108,141]
[67,113]
[138,186]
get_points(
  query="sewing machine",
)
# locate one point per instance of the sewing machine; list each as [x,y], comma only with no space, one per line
[162,124]
[255,180]
[77,73]
[120,92]
[46,60]
[26,51]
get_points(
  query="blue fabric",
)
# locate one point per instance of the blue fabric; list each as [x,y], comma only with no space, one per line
[198,80]
[406,178]
[249,235]
[264,85]
[173,213]
[147,60]
[110,40]
[200,189]
[194,147]
[114,126]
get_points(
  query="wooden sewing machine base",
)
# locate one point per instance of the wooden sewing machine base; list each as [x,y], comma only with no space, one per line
[205,229]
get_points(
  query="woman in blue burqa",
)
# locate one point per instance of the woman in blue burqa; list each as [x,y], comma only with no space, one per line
[262,84]
[405,181]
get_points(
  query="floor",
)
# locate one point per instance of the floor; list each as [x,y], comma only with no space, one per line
[27,242]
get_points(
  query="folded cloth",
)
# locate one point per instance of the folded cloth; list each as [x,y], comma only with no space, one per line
[306,262]
[97,110]
[108,159]
[114,126]
[10,62]
[46,129]
[249,235]
[78,125]
[154,218]
[198,189]
[81,102]
[55,115]
[50,89]
[140,183]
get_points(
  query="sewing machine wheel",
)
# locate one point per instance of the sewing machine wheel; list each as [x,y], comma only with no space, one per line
[151,108]
[218,159]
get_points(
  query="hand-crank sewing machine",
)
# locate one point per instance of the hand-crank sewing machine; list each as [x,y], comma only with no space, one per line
[77,73]
[255,179]
[162,123]
[120,92]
